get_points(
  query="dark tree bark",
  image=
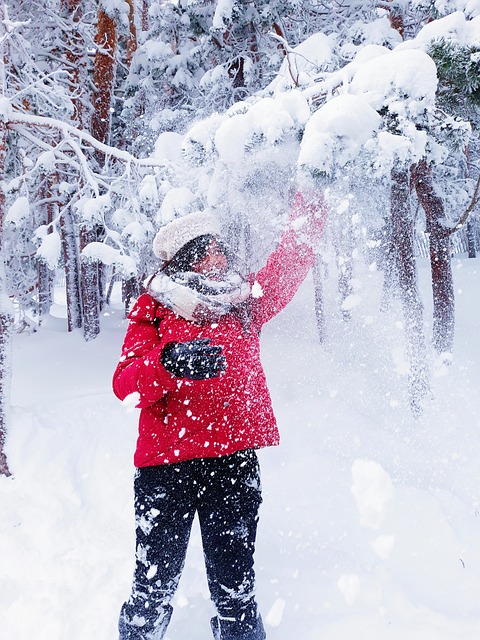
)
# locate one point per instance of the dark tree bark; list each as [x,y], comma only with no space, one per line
[44,287]
[388,266]
[76,55]
[6,322]
[345,275]
[144,18]
[72,270]
[237,43]
[89,277]
[104,70]
[130,291]
[404,260]
[44,274]
[103,78]
[442,279]
[319,298]
[132,33]
[471,244]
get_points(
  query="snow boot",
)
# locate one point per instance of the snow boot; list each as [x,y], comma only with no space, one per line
[154,631]
[233,630]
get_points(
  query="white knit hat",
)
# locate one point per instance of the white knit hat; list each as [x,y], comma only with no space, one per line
[174,235]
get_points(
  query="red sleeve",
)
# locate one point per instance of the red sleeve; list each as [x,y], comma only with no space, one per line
[139,369]
[287,267]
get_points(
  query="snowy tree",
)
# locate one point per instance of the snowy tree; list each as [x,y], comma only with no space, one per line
[458,64]
[51,161]
[375,116]
[452,44]
[6,311]
[199,57]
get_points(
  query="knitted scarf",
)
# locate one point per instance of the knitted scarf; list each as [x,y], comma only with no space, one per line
[198,298]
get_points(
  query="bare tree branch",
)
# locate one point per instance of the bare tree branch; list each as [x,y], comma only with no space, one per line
[473,203]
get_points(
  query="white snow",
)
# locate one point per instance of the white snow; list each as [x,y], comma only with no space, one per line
[471,7]
[168,147]
[18,212]
[223,13]
[452,28]
[372,489]
[348,126]
[176,203]
[136,233]
[370,523]
[104,253]
[337,131]
[5,107]
[257,291]
[148,191]
[92,208]
[351,301]
[383,80]
[269,119]
[198,143]
[131,401]
[274,616]
[47,160]
[115,7]
[50,248]
[303,61]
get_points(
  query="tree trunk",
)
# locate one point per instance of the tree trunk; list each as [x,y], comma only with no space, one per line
[442,279]
[76,54]
[236,67]
[130,291]
[388,266]
[319,298]
[345,276]
[145,7]
[402,245]
[103,78]
[72,270]
[471,244]
[44,275]
[6,323]
[132,33]
[470,230]
[44,287]
[90,288]
[396,17]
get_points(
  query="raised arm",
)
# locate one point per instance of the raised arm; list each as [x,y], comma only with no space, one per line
[286,268]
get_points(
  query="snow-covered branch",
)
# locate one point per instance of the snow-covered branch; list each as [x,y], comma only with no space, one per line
[69,131]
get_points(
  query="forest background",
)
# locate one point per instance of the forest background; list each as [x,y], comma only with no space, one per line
[118,115]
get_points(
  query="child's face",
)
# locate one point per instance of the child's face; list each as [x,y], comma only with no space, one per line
[214,264]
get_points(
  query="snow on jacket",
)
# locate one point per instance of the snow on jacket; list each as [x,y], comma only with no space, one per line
[182,419]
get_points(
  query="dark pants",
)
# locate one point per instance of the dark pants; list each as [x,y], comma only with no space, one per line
[226,494]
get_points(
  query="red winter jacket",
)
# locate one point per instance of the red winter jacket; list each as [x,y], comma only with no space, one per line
[182,419]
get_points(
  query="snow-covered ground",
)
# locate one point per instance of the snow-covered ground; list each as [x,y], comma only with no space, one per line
[370,527]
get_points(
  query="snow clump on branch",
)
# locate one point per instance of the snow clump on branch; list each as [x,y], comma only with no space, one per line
[335,133]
